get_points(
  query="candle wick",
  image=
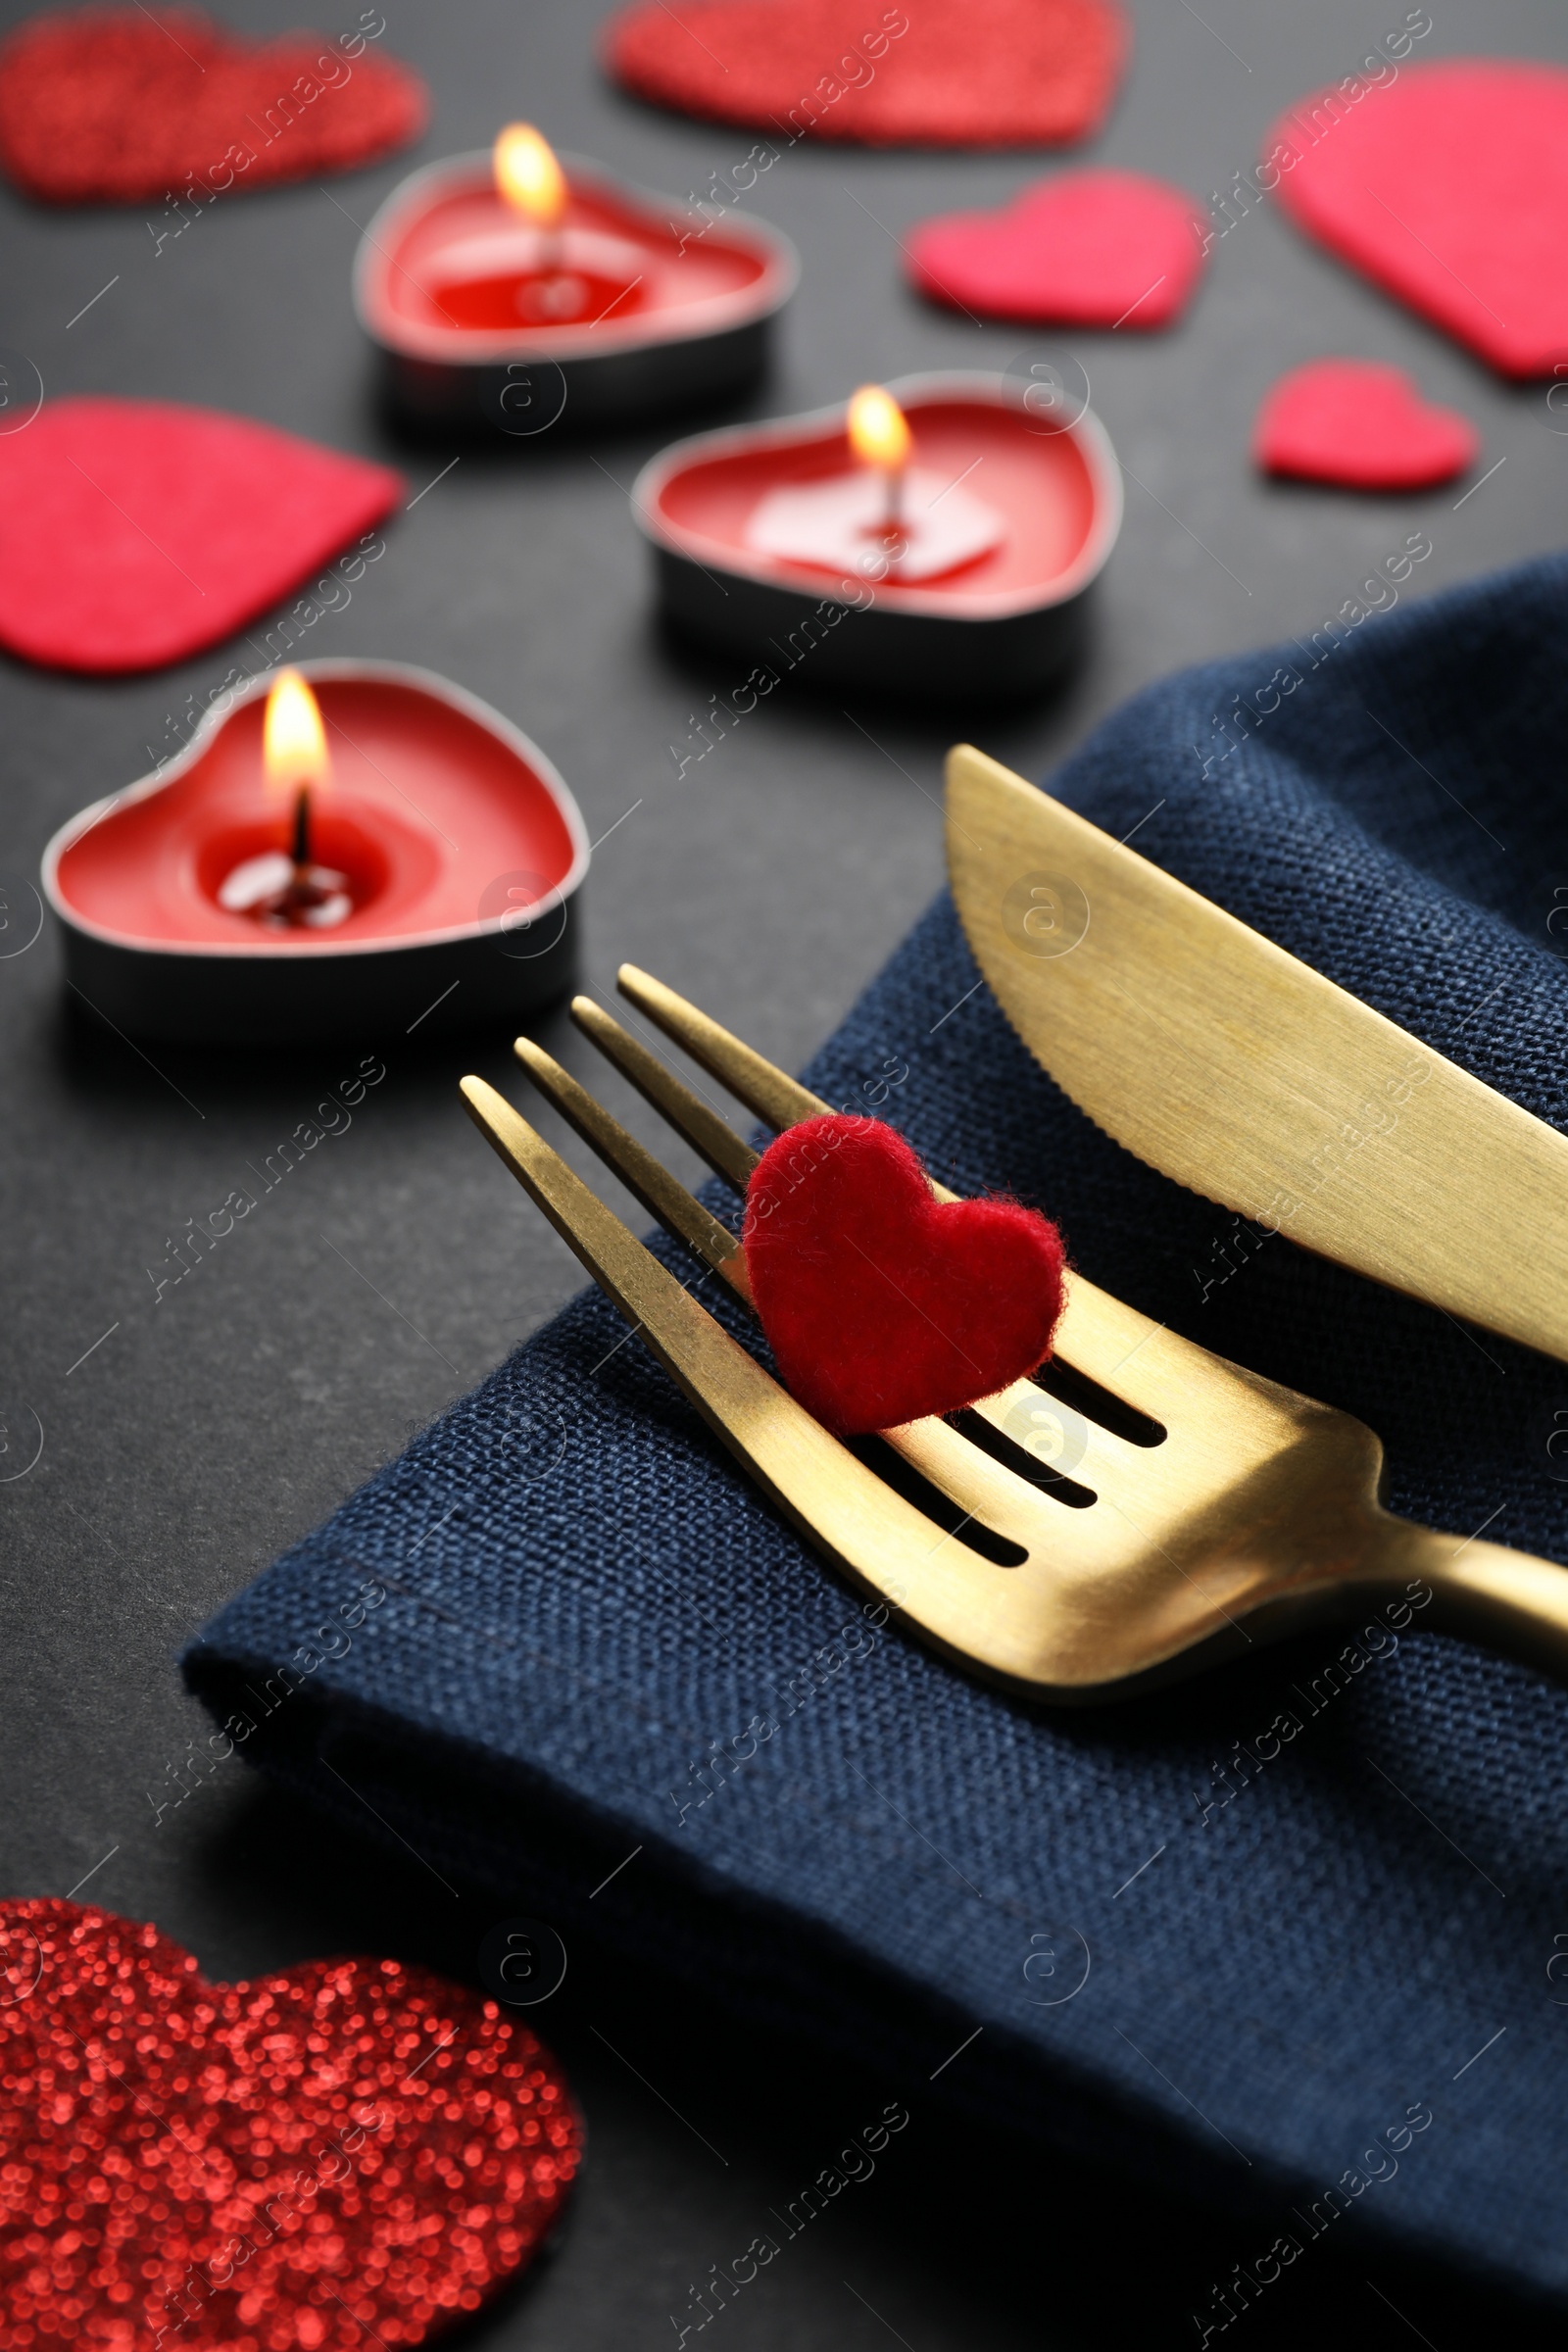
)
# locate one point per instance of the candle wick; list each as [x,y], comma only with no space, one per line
[895,534]
[301,851]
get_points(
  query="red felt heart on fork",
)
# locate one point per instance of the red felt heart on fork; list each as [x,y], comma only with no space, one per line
[1084,248]
[882,1303]
[133,532]
[350,2152]
[1360,424]
[992,73]
[130,105]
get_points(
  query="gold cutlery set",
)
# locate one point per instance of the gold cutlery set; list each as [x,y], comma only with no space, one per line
[1207,1509]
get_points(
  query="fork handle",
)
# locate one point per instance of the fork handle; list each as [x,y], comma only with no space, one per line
[1508,1601]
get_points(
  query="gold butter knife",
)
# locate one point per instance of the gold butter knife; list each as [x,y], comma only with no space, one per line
[1241,1073]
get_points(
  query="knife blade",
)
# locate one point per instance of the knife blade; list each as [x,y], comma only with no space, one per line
[1242,1073]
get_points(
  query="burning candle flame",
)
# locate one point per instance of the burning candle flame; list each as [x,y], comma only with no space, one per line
[879,434]
[528,176]
[293,738]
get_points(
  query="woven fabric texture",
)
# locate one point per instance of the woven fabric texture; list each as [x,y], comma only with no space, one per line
[596,1637]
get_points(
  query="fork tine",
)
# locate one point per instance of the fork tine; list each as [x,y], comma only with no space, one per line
[647,1293]
[840,1506]
[680,1214]
[707,1134]
[782,1102]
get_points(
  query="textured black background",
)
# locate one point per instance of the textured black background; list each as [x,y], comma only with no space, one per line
[769,883]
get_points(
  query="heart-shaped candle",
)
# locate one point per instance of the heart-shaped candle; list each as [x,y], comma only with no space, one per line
[525,291]
[1087,248]
[954,560]
[435,887]
[880,1303]
[124,105]
[992,73]
[349,2152]
[1362,425]
[133,532]
[1450,188]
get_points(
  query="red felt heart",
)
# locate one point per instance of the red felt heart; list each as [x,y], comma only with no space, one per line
[352,2152]
[1086,248]
[1361,423]
[1450,188]
[880,1303]
[133,532]
[127,106]
[992,73]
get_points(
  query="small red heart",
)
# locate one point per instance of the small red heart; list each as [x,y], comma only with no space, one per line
[992,74]
[351,2152]
[128,106]
[1360,424]
[1448,187]
[1086,248]
[880,1303]
[133,532]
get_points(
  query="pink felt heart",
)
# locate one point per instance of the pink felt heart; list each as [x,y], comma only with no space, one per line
[1360,424]
[880,1303]
[1450,188]
[133,532]
[1086,248]
[927,74]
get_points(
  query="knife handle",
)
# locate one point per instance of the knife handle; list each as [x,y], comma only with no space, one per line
[1507,1601]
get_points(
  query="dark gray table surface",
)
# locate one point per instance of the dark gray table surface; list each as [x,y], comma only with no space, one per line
[200,1436]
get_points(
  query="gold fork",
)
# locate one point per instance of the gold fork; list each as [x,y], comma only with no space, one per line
[1194,1507]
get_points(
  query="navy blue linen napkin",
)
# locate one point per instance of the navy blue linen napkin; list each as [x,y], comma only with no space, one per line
[1319,1897]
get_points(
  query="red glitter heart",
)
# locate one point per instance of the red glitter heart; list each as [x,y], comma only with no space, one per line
[992,73]
[122,105]
[1084,248]
[880,1303]
[133,532]
[347,2153]
[1448,187]
[1362,425]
